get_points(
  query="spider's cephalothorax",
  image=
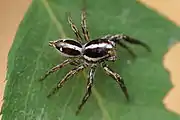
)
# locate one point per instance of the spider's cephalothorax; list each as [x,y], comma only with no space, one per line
[89,55]
[67,47]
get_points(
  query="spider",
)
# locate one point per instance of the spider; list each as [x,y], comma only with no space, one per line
[90,54]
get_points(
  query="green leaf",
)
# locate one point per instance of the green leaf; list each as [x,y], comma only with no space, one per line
[30,57]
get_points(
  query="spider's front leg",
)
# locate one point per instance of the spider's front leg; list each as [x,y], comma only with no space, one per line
[116,77]
[88,88]
[54,69]
[67,76]
[84,26]
[74,28]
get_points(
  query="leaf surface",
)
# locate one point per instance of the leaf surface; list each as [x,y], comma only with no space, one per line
[30,57]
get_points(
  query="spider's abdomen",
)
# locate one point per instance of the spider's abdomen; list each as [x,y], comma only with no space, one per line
[69,48]
[97,50]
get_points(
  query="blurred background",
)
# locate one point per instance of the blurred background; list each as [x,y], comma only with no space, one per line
[11,13]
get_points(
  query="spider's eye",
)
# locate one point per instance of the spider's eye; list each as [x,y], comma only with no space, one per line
[57,45]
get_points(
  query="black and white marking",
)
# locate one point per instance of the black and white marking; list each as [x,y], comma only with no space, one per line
[90,54]
[68,47]
[93,51]
[97,50]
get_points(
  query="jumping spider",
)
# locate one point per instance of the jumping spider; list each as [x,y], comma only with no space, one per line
[90,54]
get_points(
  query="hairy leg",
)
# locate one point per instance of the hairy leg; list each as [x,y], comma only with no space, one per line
[67,76]
[88,88]
[54,69]
[74,28]
[116,77]
[121,37]
[84,26]
[127,48]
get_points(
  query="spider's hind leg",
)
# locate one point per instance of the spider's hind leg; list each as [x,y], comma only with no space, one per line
[116,77]
[127,48]
[134,41]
